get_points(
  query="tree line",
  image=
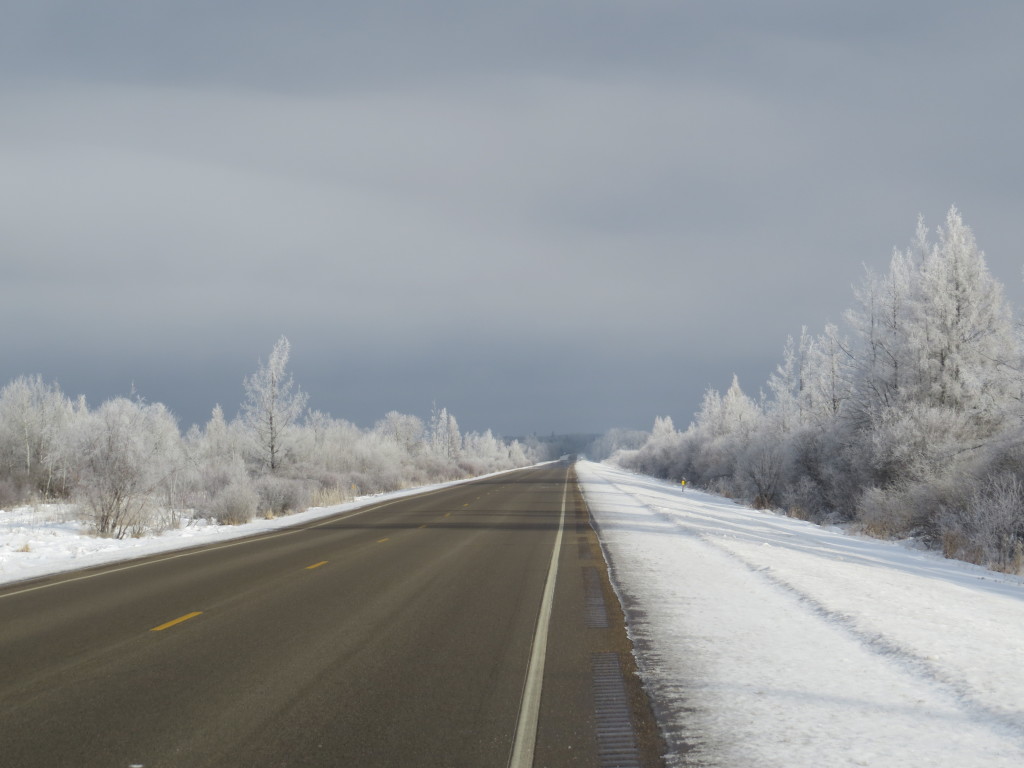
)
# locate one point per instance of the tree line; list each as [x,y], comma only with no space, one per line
[130,470]
[908,420]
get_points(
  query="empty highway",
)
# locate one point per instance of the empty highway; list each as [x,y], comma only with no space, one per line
[401,634]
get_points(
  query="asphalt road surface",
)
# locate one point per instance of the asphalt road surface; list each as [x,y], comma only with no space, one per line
[398,635]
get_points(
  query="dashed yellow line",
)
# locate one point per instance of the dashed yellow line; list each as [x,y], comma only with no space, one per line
[447,514]
[381,541]
[316,565]
[178,620]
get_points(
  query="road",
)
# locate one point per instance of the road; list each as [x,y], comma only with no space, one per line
[400,634]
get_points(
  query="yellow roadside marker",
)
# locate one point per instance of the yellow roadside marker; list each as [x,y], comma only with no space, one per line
[316,565]
[178,620]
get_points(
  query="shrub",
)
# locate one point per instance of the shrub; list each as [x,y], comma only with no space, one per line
[884,513]
[235,504]
[282,495]
[12,493]
[803,500]
[988,529]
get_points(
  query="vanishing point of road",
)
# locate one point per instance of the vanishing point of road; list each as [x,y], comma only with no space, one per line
[471,626]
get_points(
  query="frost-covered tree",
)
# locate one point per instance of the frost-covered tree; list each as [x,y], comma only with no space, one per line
[519,455]
[273,406]
[740,415]
[935,331]
[483,452]
[829,376]
[934,374]
[615,440]
[789,385]
[660,453]
[127,465]
[453,449]
[125,451]
[912,421]
[962,331]
[219,440]
[445,437]
[34,420]
[881,323]
[219,485]
[402,428]
[721,431]
[438,430]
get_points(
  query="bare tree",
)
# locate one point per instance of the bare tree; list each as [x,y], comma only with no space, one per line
[33,418]
[125,453]
[273,405]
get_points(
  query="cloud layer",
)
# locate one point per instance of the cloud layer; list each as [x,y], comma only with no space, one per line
[560,216]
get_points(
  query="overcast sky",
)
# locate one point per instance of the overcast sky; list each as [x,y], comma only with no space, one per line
[560,216]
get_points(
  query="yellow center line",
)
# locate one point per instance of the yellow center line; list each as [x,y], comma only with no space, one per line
[381,541]
[178,620]
[423,526]
[447,514]
[316,565]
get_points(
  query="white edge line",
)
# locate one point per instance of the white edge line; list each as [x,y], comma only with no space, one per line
[529,709]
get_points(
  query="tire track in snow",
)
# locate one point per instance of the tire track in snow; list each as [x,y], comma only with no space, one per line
[877,643]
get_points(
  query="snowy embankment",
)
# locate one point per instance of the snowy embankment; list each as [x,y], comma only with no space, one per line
[49,538]
[772,642]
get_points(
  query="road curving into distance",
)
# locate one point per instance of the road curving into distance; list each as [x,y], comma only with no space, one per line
[399,634]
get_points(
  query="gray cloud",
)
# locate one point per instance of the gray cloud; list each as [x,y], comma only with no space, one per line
[545,216]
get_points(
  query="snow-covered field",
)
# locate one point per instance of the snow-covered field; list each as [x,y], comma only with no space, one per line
[767,641]
[37,541]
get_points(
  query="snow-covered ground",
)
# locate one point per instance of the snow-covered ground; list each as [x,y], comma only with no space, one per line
[45,539]
[766,641]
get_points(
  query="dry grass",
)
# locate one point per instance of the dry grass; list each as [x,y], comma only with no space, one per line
[327,497]
[798,513]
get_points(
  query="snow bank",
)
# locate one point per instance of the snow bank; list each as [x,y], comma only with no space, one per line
[46,539]
[772,642]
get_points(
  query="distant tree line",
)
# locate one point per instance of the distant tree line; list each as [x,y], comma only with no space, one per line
[130,470]
[908,421]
